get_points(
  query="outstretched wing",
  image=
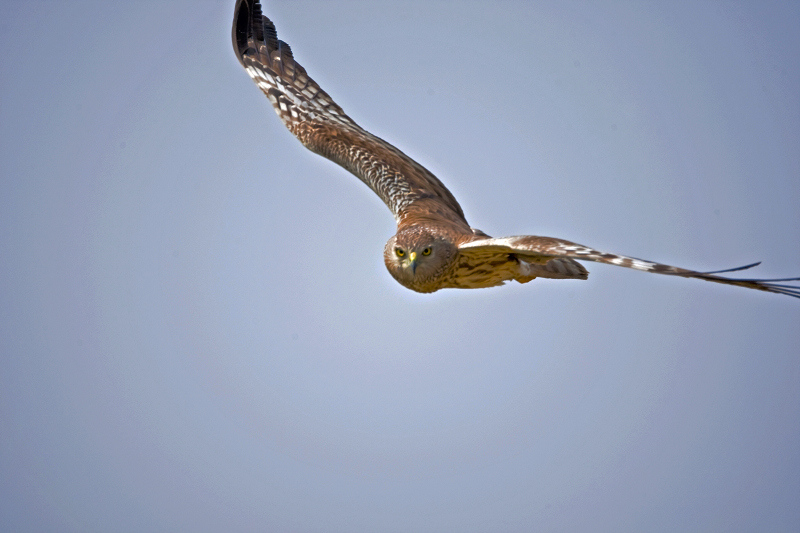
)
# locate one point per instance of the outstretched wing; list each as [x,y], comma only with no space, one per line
[542,250]
[323,127]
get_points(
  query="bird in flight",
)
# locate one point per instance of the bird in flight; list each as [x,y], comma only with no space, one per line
[434,247]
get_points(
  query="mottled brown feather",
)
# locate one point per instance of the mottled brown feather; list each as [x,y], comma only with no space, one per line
[324,128]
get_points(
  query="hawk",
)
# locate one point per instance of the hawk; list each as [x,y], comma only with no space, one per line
[434,247]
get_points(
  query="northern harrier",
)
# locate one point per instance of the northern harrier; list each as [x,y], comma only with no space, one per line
[434,247]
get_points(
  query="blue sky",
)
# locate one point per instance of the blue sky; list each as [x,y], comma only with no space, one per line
[197,331]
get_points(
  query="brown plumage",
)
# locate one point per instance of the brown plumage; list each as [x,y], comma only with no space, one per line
[434,247]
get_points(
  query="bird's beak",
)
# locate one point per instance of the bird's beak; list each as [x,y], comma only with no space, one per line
[412,261]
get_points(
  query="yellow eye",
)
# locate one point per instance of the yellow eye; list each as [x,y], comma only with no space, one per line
[427,251]
[400,252]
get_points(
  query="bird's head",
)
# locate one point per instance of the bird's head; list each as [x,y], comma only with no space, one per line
[419,259]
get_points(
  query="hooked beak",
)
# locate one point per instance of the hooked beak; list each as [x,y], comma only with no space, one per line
[412,261]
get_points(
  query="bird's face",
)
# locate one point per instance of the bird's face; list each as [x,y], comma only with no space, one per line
[418,259]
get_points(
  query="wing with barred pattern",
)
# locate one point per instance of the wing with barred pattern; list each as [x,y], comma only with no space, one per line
[542,250]
[324,128]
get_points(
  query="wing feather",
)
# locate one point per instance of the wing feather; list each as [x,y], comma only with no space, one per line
[542,250]
[324,128]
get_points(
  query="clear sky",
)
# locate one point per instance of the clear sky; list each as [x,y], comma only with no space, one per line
[197,332]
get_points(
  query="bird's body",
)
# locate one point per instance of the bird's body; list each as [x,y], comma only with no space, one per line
[434,247]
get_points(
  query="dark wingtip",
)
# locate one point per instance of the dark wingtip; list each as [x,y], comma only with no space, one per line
[248,27]
[242,15]
[252,29]
[734,269]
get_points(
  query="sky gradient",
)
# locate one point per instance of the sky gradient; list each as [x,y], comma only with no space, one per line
[197,331]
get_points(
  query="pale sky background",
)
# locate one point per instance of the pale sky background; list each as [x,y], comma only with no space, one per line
[198,333]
